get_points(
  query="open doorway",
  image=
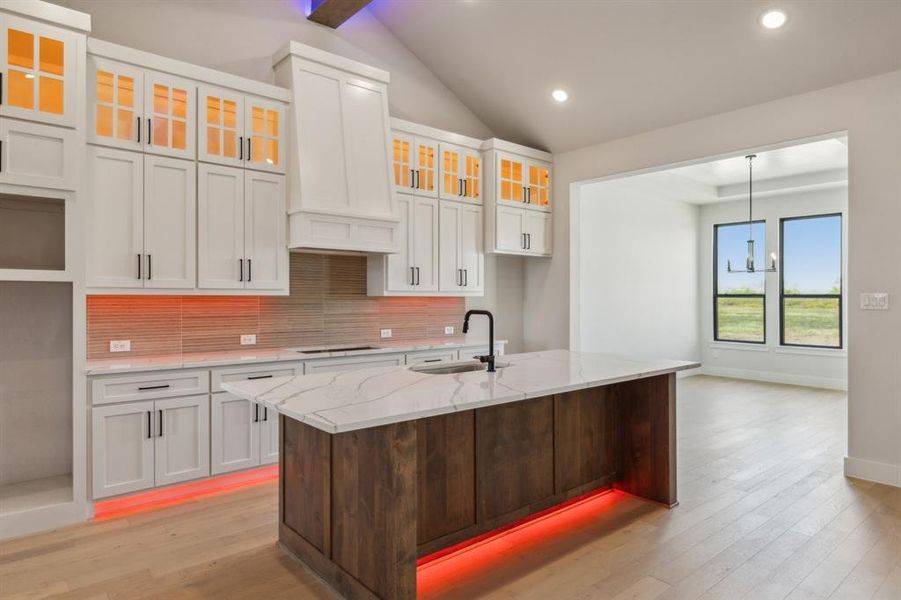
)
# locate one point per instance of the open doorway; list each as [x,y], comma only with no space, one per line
[660,264]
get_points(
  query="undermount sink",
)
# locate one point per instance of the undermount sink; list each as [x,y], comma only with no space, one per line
[455,367]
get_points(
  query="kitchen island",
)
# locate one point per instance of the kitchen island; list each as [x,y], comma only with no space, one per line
[382,466]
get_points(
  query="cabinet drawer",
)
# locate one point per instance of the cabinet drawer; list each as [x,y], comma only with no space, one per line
[432,356]
[226,374]
[351,363]
[148,386]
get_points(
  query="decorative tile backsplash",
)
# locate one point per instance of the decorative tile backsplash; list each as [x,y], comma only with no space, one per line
[327,305]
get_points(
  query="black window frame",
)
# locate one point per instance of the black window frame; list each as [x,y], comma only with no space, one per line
[841,286]
[716,287]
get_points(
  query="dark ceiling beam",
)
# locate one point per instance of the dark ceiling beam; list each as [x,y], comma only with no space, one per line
[332,13]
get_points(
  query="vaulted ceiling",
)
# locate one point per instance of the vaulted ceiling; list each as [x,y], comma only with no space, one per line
[636,66]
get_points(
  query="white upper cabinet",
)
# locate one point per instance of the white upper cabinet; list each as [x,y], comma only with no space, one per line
[264,130]
[415,164]
[265,251]
[170,204]
[518,199]
[414,269]
[241,229]
[461,251]
[169,114]
[240,130]
[461,173]
[115,104]
[39,67]
[340,186]
[115,233]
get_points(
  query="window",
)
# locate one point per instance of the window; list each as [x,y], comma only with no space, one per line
[739,308]
[811,281]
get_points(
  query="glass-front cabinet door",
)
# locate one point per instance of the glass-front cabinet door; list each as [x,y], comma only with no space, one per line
[38,69]
[451,172]
[402,164]
[115,104]
[221,126]
[426,168]
[538,191]
[264,130]
[472,176]
[169,115]
[510,179]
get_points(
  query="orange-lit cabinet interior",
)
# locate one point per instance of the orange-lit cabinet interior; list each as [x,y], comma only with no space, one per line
[39,67]
[139,109]
[240,131]
[414,164]
[518,199]
[461,173]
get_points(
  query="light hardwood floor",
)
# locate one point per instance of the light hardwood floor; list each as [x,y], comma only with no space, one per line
[764,513]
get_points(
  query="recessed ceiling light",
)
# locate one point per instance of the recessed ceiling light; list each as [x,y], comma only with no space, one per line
[773,19]
[560,95]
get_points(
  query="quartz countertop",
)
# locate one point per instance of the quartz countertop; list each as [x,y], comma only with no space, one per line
[202,360]
[363,398]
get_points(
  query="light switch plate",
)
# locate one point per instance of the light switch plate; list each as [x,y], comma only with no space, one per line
[385,333]
[249,339]
[120,346]
[873,301]
[449,330]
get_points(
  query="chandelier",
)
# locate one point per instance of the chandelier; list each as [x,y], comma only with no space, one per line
[749,261]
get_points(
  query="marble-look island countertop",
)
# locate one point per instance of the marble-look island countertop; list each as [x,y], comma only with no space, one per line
[359,399]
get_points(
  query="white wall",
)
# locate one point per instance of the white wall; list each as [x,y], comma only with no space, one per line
[770,362]
[240,37]
[870,111]
[638,264]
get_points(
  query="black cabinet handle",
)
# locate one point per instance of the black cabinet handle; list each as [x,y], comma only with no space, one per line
[149,133]
[417,276]
[138,123]
[240,269]
[260,377]
[412,178]
[418,178]
[459,276]
[465,277]
[464,187]
[240,147]
[249,270]
[528,241]
[248,155]
[147,388]
[149,425]
[256,412]
[265,413]
[412,275]
[139,266]
[149,267]
[161,424]
[432,360]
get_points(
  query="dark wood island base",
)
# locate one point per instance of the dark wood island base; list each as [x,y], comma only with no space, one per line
[360,507]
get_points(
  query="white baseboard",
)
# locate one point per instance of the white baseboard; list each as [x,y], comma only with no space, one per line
[774,377]
[872,470]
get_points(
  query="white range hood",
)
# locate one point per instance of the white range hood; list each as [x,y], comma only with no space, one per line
[341,195]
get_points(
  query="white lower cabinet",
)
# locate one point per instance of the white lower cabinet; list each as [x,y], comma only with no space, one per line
[138,445]
[182,448]
[243,434]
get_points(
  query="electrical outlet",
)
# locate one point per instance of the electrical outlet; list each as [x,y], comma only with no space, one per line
[874,301]
[120,346]
[449,330]
[385,333]
[249,339]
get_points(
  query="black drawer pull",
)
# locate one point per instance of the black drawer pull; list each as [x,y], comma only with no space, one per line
[431,360]
[153,387]
[260,377]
